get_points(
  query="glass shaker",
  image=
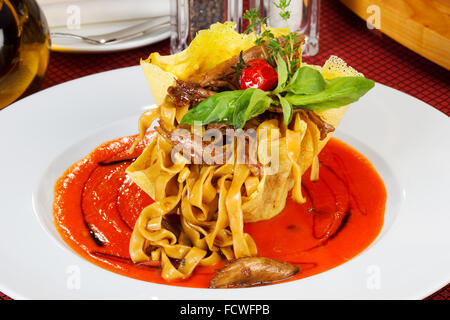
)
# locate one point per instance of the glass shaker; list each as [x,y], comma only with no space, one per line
[190,16]
[304,19]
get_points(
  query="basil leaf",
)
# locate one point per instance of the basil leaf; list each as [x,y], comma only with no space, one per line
[287,109]
[229,107]
[306,80]
[282,74]
[218,108]
[338,92]
[253,102]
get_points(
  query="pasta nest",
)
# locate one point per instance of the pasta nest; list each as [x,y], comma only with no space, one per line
[212,202]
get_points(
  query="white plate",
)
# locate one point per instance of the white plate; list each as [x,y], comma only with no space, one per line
[75,45]
[41,135]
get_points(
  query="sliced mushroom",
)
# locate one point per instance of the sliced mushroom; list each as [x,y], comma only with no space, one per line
[252,271]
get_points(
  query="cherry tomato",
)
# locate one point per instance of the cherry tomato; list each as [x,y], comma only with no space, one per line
[260,74]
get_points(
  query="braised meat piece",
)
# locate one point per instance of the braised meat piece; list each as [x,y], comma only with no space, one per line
[223,76]
[188,93]
[198,151]
[193,148]
[324,128]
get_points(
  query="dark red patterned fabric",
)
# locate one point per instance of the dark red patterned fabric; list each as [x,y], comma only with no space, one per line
[342,33]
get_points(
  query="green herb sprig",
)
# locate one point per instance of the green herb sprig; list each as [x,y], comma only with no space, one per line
[297,88]
[254,20]
[241,65]
[275,45]
[289,47]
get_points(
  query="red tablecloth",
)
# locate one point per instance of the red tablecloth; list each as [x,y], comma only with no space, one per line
[342,33]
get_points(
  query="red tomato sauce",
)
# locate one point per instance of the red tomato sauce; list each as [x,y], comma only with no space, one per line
[96,206]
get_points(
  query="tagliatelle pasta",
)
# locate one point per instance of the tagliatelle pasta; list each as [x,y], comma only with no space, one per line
[211,202]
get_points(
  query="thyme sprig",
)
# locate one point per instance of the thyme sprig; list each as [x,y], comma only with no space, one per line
[254,20]
[276,47]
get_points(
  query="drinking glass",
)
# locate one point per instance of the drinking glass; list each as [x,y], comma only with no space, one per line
[304,19]
[24,49]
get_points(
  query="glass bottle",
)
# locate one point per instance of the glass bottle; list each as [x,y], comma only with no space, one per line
[24,49]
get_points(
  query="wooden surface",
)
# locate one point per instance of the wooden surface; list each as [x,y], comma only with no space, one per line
[420,25]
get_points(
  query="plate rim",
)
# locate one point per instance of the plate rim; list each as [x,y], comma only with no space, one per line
[17,295]
[139,42]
